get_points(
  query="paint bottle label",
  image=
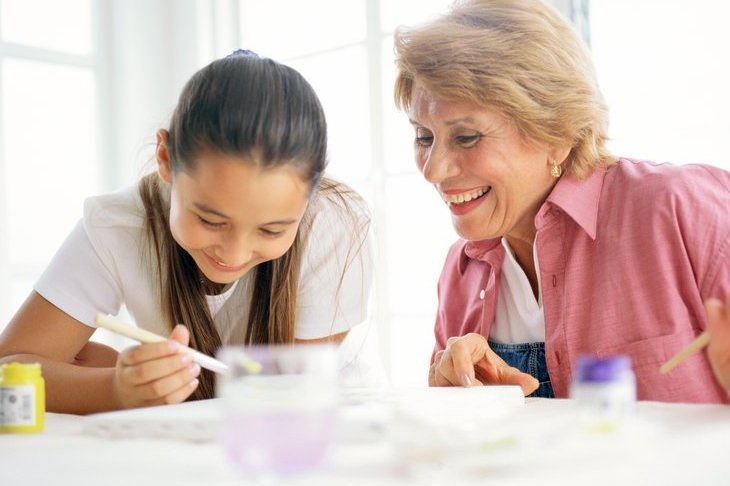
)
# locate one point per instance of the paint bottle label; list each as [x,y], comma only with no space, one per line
[22,398]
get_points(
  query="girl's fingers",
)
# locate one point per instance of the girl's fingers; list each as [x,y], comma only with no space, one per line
[150,371]
[168,386]
[176,396]
[180,334]
[147,352]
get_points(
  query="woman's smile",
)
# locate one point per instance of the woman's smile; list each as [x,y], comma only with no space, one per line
[461,202]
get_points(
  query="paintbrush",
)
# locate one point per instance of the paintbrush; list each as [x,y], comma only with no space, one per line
[700,342]
[115,325]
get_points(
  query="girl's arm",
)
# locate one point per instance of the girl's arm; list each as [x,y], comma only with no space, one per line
[96,355]
[40,332]
[149,374]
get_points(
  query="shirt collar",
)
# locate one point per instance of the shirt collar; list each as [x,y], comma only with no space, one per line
[579,199]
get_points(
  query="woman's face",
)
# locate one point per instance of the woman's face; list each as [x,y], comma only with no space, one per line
[492,181]
[230,215]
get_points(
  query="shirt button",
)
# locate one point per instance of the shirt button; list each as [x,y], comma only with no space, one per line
[481,294]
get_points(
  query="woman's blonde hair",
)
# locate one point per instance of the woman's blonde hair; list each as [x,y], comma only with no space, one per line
[519,57]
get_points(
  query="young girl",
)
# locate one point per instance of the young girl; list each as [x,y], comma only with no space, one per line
[237,239]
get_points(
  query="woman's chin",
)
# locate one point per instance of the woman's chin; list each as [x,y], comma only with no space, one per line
[470,233]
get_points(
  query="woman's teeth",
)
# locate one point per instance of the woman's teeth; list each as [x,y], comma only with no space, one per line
[466,196]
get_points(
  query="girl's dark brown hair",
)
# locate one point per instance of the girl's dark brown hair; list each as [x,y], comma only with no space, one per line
[261,111]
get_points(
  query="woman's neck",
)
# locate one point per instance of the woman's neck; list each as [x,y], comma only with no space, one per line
[523,250]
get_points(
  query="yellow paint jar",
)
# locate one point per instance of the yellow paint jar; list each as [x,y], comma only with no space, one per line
[22,398]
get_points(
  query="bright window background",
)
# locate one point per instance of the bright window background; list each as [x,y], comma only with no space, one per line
[49,158]
[664,70]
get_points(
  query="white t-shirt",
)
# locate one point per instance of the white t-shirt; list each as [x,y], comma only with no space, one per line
[105,262]
[519,317]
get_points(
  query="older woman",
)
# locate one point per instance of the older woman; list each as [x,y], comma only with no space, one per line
[565,249]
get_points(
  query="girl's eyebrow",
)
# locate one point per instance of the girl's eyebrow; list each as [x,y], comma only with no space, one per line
[207,209]
[282,222]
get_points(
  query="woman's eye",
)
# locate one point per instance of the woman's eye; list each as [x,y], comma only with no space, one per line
[468,140]
[424,141]
[210,224]
[423,138]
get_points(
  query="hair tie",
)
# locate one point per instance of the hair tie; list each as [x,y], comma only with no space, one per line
[242,53]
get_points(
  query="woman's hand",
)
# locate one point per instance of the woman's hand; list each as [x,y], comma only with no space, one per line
[156,373]
[468,360]
[718,351]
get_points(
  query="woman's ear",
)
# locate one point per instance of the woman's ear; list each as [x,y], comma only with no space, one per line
[559,154]
[163,156]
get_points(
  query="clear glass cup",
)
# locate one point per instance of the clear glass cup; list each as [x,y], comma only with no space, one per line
[279,419]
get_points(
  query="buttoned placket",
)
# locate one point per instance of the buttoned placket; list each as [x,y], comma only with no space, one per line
[549,243]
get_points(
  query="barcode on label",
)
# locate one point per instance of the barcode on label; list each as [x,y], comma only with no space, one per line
[17,405]
[26,408]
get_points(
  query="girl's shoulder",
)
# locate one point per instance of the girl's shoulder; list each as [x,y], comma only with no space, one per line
[337,205]
[122,208]
[336,225]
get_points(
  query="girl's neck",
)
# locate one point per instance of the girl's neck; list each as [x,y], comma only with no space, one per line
[210,287]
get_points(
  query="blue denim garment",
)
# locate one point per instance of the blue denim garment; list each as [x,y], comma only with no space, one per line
[528,358]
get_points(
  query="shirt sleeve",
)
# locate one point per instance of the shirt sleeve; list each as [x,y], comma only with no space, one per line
[78,282]
[336,272]
[705,211]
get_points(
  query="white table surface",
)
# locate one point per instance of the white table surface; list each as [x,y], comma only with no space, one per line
[535,443]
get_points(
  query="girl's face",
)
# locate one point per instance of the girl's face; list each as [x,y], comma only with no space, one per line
[492,181]
[230,215]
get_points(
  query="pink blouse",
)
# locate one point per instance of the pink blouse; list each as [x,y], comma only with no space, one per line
[626,257]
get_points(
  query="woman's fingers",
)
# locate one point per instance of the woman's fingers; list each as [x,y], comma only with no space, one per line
[454,366]
[494,370]
[718,351]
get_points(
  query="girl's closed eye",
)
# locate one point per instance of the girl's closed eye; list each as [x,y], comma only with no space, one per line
[210,224]
[271,233]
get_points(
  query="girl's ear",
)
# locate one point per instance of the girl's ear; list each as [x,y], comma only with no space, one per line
[163,157]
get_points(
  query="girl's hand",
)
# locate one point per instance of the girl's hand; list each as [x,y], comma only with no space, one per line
[468,360]
[718,351]
[156,373]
